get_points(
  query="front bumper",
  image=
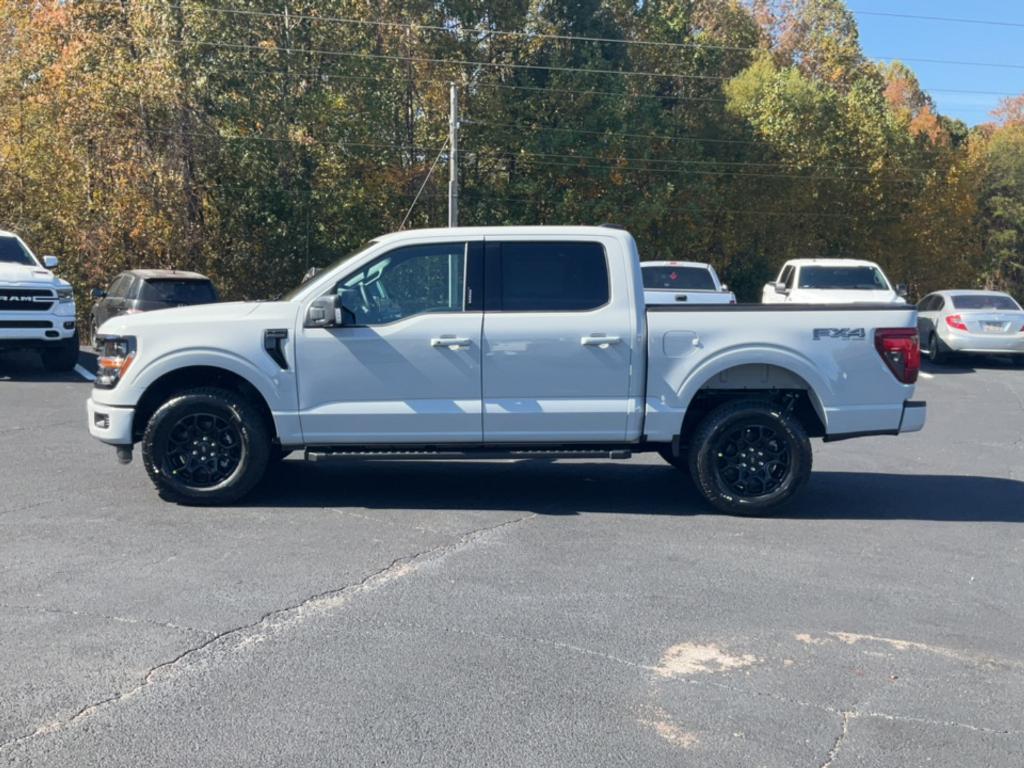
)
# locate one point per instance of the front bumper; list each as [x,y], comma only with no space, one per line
[28,329]
[110,424]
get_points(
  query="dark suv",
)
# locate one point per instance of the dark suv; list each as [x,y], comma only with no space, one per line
[143,290]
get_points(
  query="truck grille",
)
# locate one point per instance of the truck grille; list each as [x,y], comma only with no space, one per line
[25,299]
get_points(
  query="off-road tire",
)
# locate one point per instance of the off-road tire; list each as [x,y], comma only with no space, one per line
[168,429]
[711,462]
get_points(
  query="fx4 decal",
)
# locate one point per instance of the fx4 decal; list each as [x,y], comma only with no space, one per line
[845,334]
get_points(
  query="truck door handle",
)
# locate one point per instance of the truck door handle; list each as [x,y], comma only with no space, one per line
[600,341]
[450,342]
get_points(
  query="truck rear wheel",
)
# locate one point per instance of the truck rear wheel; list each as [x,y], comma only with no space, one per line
[61,355]
[749,456]
[205,446]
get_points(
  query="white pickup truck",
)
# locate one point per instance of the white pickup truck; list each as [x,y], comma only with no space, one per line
[37,308]
[671,282]
[832,281]
[513,342]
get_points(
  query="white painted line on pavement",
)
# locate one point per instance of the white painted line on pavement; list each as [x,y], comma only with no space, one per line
[84,373]
[924,375]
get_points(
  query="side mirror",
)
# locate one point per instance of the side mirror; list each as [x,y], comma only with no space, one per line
[49,262]
[781,288]
[901,290]
[325,312]
[99,293]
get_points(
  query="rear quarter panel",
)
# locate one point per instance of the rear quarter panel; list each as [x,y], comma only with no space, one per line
[850,386]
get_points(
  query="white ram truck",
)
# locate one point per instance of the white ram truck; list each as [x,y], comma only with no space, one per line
[499,342]
[37,308]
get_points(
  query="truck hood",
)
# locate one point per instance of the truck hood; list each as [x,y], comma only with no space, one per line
[194,318]
[29,277]
[832,296]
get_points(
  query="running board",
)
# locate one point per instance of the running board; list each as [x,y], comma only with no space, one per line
[396,454]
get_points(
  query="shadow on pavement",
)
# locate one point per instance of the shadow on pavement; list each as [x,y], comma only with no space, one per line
[26,366]
[648,489]
[968,364]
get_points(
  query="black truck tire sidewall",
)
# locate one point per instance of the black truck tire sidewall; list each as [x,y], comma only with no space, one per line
[255,450]
[701,458]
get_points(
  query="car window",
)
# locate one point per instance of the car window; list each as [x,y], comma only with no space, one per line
[786,278]
[117,288]
[176,292]
[679,278]
[822,277]
[927,304]
[553,277]
[985,301]
[12,252]
[405,282]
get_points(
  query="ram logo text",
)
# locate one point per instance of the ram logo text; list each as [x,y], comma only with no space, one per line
[845,334]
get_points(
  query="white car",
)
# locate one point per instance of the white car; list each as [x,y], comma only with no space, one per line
[499,341]
[832,281]
[970,322]
[669,282]
[37,308]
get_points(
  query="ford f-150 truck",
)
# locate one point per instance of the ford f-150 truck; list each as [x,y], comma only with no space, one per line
[499,341]
[37,308]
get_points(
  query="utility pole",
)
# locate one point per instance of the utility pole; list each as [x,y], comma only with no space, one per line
[453,159]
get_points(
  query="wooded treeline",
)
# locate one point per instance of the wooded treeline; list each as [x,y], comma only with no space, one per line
[251,139]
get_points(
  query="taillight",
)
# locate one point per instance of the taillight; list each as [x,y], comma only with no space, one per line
[955,321]
[901,351]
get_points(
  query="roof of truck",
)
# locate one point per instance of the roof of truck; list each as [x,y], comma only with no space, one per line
[530,231]
[830,262]
[166,274]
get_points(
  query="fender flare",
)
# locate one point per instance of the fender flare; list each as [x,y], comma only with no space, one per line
[819,388]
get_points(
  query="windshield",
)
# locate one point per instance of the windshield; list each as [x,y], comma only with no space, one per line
[13,252]
[172,291]
[679,278]
[314,272]
[985,301]
[843,278]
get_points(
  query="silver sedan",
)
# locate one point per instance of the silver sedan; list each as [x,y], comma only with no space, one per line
[970,322]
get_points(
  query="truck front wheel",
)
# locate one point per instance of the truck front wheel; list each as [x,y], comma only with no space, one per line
[749,456]
[205,446]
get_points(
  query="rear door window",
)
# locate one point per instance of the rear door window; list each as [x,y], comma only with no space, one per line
[548,277]
[174,292]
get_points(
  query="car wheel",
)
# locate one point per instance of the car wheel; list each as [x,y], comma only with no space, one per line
[679,462]
[935,351]
[206,446]
[62,355]
[749,456]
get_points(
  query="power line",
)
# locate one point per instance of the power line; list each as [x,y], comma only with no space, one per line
[461,31]
[954,20]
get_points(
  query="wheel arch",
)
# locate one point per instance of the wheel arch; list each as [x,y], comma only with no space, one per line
[191,377]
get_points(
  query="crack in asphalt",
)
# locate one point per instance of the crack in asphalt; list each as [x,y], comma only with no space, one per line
[272,622]
[844,730]
[105,617]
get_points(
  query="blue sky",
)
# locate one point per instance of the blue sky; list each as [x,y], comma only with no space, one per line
[908,39]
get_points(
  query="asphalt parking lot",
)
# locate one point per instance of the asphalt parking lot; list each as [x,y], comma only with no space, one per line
[517,614]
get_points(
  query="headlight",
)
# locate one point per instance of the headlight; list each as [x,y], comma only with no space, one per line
[116,356]
[65,295]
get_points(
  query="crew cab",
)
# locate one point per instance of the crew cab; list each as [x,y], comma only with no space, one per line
[832,281]
[670,282]
[37,308]
[499,341]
